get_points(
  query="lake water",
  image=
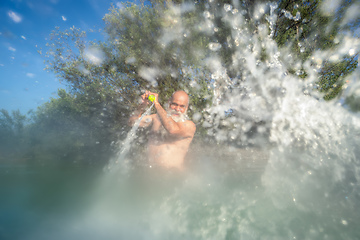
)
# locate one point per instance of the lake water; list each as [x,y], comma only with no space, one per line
[237,194]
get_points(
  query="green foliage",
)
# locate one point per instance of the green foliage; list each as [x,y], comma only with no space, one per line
[12,135]
[79,127]
[143,48]
[304,38]
[333,76]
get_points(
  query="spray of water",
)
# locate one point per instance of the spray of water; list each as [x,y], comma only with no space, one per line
[120,163]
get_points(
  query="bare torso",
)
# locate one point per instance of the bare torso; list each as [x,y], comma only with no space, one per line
[166,150]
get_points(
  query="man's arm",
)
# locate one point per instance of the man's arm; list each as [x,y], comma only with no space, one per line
[180,129]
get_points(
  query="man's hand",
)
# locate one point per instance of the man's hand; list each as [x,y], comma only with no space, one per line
[145,98]
[144,101]
[156,100]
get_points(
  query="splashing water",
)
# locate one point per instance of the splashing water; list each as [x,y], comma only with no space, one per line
[301,183]
[120,163]
[94,55]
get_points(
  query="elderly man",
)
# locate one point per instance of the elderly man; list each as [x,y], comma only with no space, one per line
[171,131]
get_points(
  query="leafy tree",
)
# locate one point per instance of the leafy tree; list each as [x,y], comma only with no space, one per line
[132,58]
[304,37]
[12,135]
[147,52]
[75,128]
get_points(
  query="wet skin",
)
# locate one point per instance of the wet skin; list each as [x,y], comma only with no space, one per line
[169,140]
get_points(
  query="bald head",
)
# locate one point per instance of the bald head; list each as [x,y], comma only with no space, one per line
[180,95]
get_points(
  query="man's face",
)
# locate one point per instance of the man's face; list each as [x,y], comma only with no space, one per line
[178,103]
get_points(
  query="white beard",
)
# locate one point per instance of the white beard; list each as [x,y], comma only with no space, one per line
[181,118]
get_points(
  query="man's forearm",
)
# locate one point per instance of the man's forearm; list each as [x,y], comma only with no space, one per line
[168,123]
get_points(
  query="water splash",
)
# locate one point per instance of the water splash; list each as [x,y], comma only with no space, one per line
[120,164]
[94,55]
[150,75]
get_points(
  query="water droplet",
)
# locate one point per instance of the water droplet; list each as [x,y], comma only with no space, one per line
[227,7]
[207,14]
[351,52]
[94,55]
[214,46]
[196,117]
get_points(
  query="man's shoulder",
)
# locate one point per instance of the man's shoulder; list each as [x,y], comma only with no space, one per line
[189,124]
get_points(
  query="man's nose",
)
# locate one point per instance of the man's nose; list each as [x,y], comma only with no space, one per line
[177,108]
